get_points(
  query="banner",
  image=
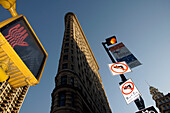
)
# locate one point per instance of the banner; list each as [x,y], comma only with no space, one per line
[121,53]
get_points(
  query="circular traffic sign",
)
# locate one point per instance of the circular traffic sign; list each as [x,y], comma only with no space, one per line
[127,88]
[119,68]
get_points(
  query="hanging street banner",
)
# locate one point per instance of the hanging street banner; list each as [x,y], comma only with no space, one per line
[150,109]
[119,68]
[121,53]
[129,91]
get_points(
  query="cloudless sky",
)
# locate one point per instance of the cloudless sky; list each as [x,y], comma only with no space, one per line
[142,25]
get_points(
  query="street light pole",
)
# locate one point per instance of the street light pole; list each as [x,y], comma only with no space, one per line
[139,102]
[113,61]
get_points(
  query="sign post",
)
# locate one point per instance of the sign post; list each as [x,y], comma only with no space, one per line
[139,102]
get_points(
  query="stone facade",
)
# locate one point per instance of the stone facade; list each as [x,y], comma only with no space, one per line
[162,101]
[78,85]
[11,99]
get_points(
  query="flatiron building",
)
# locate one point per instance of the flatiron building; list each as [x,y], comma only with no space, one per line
[78,85]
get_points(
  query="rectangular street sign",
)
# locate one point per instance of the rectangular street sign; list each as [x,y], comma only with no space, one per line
[121,53]
[129,91]
[150,109]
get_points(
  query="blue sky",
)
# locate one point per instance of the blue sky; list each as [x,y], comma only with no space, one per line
[142,25]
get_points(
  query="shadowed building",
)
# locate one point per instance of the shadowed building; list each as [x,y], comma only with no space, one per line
[78,85]
[11,99]
[162,101]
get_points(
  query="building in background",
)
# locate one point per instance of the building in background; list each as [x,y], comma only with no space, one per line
[162,101]
[78,85]
[11,99]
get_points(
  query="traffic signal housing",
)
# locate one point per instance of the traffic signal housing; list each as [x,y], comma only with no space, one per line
[21,52]
[110,41]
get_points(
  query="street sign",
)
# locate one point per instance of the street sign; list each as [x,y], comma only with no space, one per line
[129,91]
[20,46]
[121,53]
[119,68]
[150,109]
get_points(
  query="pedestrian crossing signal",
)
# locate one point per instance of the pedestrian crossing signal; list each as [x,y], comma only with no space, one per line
[21,51]
[110,41]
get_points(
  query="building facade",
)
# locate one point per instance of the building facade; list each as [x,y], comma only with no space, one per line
[162,101]
[11,99]
[78,85]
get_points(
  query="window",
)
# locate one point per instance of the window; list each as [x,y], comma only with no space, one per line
[167,99]
[72,45]
[63,80]
[168,106]
[71,51]
[72,100]
[67,36]
[72,58]
[79,66]
[72,67]
[65,50]
[62,99]
[65,58]
[66,44]
[164,107]
[65,66]
[164,101]
[68,31]
[72,81]
[159,96]
[67,39]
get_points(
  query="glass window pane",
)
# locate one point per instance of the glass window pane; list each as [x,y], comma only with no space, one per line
[65,50]
[63,80]
[62,98]
[72,81]
[65,57]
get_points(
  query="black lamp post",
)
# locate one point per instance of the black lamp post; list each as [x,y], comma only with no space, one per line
[113,61]
[109,41]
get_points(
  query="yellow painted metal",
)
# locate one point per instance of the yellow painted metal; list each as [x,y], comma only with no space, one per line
[19,73]
[10,5]
[3,69]
[3,75]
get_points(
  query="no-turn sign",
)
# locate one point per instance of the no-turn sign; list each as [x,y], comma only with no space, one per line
[129,91]
[119,68]
[127,88]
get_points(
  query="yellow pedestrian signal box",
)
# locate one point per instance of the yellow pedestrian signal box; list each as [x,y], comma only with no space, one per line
[21,52]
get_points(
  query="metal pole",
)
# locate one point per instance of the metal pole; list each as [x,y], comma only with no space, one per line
[107,50]
[139,102]
[10,5]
